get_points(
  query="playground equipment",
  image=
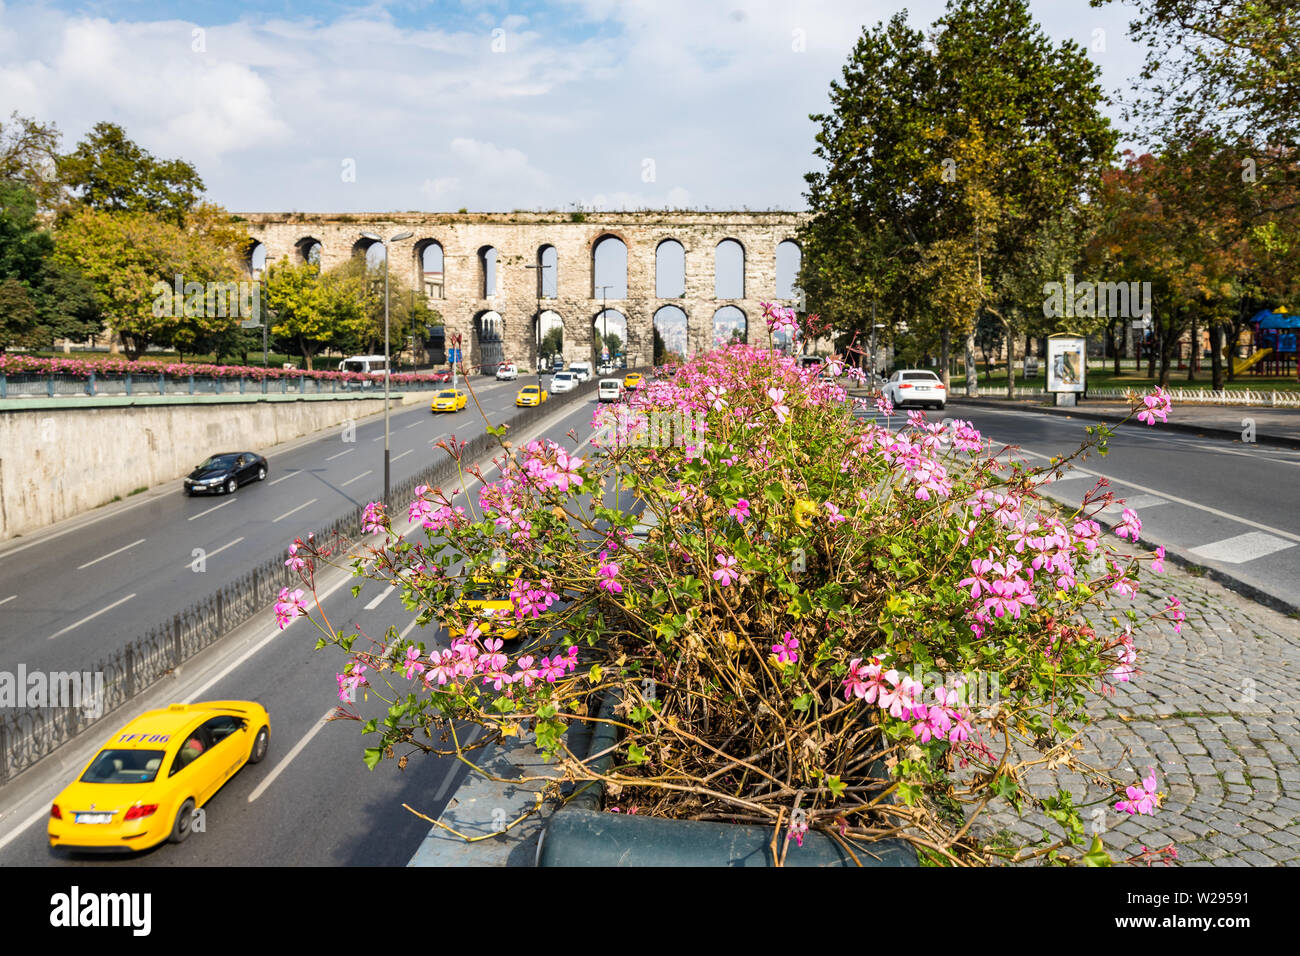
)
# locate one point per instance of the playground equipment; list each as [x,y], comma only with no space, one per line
[1241,365]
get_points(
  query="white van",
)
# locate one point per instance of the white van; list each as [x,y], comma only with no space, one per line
[582,370]
[609,390]
[371,365]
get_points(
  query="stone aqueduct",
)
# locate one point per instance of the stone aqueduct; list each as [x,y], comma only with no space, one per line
[501,323]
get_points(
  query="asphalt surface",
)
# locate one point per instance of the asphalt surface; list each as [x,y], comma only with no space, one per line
[1220,504]
[311,802]
[70,595]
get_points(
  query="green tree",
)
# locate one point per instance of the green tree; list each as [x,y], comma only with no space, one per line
[552,342]
[312,310]
[133,259]
[45,299]
[107,171]
[29,153]
[951,153]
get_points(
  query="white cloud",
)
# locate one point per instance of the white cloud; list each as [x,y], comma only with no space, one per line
[713,93]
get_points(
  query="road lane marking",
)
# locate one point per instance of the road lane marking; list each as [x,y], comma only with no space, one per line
[292,474]
[403,454]
[295,510]
[82,567]
[288,758]
[378,438]
[1242,548]
[212,554]
[1218,513]
[357,478]
[8,599]
[374,603]
[1135,502]
[228,501]
[91,617]
[341,454]
[261,644]
[415,424]
[407,630]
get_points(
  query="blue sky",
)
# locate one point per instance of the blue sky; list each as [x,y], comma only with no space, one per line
[482,105]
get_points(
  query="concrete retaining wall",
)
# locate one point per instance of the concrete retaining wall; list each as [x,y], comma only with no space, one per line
[60,462]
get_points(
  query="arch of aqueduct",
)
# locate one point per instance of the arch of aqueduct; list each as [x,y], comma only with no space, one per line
[519,238]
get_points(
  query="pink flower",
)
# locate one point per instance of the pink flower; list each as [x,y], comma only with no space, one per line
[1157,406]
[1175,613]
[787,652]
[290,607]
[884,406]
[740,510]
[609,571]
[777,395]
[296,563]
[725,575]
[798,828]
[348,683]
[833,512]
[1142,799]
[1158,564]
[413,665]
[1129,526]
[373,518]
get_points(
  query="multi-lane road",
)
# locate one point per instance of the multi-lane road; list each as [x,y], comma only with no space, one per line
[311,802]
[1220,504]
[67,598]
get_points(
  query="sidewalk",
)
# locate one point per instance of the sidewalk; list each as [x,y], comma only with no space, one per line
[1273,426]
[1216,711]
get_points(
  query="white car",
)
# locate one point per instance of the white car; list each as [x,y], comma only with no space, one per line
[915,386]
[507,372]
[582,370]
[563,382]
[609,390]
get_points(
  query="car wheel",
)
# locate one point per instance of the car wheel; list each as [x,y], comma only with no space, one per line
[939,407]
[260,744]
[184,823]
[261,473]
[232,486]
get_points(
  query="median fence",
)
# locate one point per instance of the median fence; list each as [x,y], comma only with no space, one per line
[28,734]
[38,385]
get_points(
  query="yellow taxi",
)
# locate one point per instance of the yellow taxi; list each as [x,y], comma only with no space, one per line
[486,599]
[145,783]
[530,395]
[632,380]
[449,400]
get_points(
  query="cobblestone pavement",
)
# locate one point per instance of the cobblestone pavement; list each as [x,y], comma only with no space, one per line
[1216,711]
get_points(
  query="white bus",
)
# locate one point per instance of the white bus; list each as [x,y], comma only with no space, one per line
[371,365]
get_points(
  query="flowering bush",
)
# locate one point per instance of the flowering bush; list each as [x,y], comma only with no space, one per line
[808,621]
[14,364]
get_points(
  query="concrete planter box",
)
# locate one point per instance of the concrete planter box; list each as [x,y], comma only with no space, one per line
[581,834]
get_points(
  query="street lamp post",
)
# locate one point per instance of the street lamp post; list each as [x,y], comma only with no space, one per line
[604,318]
[537,335]
[387,360]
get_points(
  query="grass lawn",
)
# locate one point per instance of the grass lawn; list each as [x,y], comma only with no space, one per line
[1104,377]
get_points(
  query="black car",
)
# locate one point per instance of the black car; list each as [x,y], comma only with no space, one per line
[226,472]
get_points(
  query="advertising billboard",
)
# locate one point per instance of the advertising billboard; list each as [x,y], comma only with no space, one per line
[1066,365]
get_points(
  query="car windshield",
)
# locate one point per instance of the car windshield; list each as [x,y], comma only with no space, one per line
[530,390]
[446,394]
[920,377]
[124,766]
[217,461]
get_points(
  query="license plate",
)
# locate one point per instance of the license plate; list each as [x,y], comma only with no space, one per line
[94,818]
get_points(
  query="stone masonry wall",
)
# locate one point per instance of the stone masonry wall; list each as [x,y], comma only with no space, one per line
[518,239]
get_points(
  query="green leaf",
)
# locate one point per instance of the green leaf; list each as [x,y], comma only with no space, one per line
[372,756]
[1097,855]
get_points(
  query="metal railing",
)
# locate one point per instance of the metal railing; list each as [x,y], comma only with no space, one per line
[39,385]
[29,734]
